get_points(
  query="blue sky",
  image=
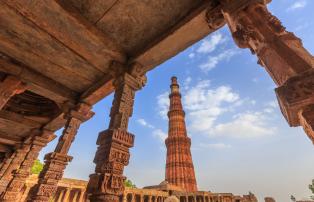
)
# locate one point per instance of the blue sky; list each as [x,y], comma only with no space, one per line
[240,140]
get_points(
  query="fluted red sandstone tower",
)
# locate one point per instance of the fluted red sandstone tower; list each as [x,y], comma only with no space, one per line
[179,167]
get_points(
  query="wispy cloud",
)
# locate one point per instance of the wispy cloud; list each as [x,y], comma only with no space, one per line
[245,125]
[161,135]
[163,104]
[144,123]
[209,45]
[213,61]
[215,146]
[205,105]
[297,5]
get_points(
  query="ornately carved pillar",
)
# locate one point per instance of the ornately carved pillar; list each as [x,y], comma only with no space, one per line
[281,53]
[107,183]
[9,87]
[56,162]
[17,159]
[38,140]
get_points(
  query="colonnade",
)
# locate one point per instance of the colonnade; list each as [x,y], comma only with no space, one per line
[144,195]
[68,190]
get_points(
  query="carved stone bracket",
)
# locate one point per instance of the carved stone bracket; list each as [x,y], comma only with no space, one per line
[9,87]
[107,183]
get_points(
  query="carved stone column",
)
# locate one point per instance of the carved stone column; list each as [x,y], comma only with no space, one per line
[281,53]
[37,142]
[107,183]
[56,162]
[9,156]
[7,173]
[9,87]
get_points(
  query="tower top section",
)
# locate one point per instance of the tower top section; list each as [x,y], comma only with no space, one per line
[174,85]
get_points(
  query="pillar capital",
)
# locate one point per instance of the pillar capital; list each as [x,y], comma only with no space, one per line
[82,112]
[296,94]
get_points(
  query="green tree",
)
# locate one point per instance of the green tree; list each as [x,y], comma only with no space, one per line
[37,167]
[129,183]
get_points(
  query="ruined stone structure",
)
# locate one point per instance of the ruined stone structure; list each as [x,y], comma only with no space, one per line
[179,165]
[72,190]
[59,58]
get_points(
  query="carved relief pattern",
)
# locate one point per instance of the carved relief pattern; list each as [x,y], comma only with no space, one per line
[56,162]
[112,155]
[20,175]
[14,165]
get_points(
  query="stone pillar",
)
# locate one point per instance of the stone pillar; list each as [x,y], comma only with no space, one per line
[82,195]
[75,195]
[67,194]
[7,161]
[36,143]
[18,157]
[26,192]
[60,196]
[56,162]
[107,183]
[9,87]
[281,53]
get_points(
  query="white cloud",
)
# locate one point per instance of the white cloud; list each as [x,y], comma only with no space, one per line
[297,5]
[163,104]
[206,108]
[245,125]
[215,146]
[204,104]
[191,55]
[209,45]
[161,135]
[187,82]
[213,61]
[144,123]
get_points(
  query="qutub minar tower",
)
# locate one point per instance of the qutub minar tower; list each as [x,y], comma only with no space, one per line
[179,166]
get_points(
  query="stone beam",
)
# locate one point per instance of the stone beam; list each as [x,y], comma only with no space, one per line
[9,87]
[187,32]
[98,91]
[103,87]
[9,140]
[87,41]
[18,118]
[281,53]
[56,162]
[37,82]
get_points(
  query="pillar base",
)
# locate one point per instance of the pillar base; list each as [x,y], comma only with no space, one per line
[50,176]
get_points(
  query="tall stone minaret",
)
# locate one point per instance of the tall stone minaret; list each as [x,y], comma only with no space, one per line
[179,167]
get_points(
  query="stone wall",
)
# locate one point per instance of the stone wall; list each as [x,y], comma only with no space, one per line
[73,190]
